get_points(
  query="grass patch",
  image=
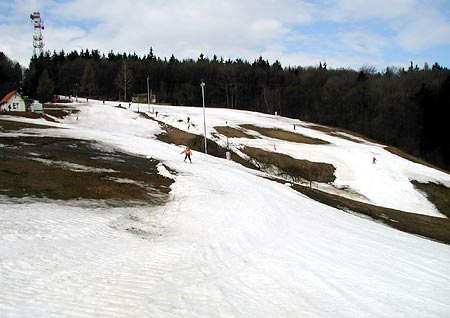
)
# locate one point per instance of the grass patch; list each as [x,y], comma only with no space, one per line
[9,125]
[46,115]
[438,194]
[196,142]
[338,135]
[62,168]
[22,114]
[231,132]
[293,168]
[60,113]
[435,228]
[285,135]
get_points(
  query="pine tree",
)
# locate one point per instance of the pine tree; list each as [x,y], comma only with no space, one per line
[88,79]
[45,87]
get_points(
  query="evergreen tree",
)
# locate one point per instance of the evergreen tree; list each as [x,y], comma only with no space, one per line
[45,87]
[10,75]
[88,78]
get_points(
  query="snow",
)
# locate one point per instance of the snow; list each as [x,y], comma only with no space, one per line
[228,243]
[386,183]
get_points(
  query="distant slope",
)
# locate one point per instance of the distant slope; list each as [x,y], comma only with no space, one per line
[386,183]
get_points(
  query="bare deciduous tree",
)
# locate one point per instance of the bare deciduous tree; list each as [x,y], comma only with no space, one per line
[124,79]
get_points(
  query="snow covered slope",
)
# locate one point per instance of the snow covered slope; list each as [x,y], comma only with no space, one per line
[229,243]
[387,183]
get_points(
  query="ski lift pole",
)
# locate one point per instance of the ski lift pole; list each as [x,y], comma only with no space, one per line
[202,84]
[148,94]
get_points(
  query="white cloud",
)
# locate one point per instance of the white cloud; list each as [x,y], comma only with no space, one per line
[287,30]
[17,42]
[424,31]
[363,42]
[357,10]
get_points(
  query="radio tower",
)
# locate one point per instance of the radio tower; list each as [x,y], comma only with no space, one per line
[38,39]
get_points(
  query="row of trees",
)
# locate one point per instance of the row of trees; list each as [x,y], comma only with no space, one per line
[10,75]
[401,107]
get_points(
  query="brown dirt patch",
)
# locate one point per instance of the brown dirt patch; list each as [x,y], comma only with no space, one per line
[293,168]
[62,168]
[10,125]
[231,132]
[438,194]
[285,135]
[196,142]
[22,114]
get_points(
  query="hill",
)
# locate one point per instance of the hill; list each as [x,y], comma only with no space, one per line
[226,239]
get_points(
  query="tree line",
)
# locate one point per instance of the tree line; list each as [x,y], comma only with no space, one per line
[403,107]
[10,75]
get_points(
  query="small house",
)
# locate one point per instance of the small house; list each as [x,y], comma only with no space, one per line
[13,102]
[36,107]
[143,98]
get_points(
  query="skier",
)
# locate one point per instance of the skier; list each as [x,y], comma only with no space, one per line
[374,160]
[188,153]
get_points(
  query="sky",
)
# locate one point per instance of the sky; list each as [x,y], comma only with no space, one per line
[342,33]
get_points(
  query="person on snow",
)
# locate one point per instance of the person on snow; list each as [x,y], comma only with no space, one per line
[188,153]
[374,160]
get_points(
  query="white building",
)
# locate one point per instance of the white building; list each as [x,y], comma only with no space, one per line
[36,107]
[13,102]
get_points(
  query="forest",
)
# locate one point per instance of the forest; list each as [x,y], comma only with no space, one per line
[402,107]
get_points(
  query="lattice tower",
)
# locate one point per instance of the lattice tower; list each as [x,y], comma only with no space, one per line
[38,39]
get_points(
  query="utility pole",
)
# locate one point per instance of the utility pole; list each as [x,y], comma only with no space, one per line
[202,84]
[148,94]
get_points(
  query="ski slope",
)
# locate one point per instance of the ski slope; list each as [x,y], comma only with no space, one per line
[229,243]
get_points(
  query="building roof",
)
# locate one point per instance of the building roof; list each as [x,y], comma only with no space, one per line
[7,97]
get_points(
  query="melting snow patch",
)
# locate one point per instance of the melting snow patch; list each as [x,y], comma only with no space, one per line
[164,172]
[73,166]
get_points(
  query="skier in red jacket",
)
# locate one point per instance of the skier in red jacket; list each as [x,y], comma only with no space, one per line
[188,153]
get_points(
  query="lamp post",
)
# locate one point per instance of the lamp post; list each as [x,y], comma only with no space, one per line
[148,95]
[202,84]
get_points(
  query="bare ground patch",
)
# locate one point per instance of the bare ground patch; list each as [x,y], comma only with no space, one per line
[292,168]
[196,142]
[285,135]
[437,193]
[62,168]
[231,132]
[47,113]
[10,125]
[28,115]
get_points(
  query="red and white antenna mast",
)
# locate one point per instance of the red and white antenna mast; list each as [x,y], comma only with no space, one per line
[38,39]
